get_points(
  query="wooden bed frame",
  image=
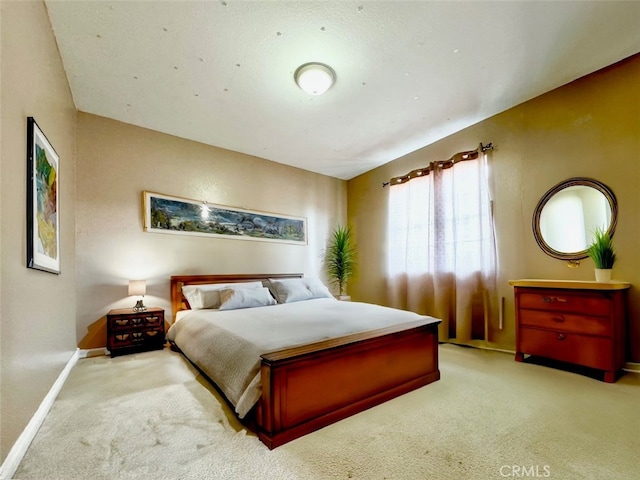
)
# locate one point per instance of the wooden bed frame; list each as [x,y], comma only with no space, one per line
[305,388]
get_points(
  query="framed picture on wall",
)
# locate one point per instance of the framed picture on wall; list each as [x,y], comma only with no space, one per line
[43,205]
[182,216]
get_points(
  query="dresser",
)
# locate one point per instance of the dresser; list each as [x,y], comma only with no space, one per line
[130,332]
[583,323]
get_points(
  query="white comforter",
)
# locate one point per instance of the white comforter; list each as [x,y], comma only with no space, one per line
[227,345]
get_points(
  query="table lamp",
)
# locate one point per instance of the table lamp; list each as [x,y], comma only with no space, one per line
[138,287]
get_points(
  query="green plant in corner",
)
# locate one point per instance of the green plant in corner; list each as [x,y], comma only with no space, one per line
[601,250]
[340,257]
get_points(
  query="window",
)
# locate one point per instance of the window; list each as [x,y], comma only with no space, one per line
[441,232]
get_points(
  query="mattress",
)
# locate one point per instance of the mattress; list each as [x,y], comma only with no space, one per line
[227,345]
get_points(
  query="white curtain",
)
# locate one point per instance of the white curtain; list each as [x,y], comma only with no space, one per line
[442,249]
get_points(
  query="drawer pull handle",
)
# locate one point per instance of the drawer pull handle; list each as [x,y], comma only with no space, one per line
[561,336]
[554,299]
[558,319]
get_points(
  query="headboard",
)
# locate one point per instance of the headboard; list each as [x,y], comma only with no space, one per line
[178,302]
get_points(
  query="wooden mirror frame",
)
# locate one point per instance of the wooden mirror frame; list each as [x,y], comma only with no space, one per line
[571,182]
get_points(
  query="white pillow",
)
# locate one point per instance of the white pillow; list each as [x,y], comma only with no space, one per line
[317,288]
[207,295]
[296,289]
[233,299]
[190,292]
[290,290]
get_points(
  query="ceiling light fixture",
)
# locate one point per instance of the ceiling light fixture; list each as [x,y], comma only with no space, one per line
[315,78]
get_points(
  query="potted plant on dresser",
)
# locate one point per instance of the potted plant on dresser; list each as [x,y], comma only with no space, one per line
[340,259]
[603,255]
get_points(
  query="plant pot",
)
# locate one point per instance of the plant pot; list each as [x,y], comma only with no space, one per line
[603,275]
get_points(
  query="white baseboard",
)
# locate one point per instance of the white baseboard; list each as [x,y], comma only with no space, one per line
[632,367]
[93,352]
[17,452]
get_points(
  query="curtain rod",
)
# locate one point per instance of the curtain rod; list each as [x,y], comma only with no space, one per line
[421,172]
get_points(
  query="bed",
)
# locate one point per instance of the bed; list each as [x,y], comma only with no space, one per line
[296,366]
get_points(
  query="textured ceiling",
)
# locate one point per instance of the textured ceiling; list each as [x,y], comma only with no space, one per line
[408,73]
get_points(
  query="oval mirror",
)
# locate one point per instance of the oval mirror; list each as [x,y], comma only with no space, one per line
[567,215]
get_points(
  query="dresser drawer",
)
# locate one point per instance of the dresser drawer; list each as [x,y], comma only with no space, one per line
[127,322]
[134,337]
[595,304]
[567,322]
[595,352]
[135,321]
[126,339]
[116,323]
[152,319]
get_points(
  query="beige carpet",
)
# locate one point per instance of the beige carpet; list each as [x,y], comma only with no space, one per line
[150,416]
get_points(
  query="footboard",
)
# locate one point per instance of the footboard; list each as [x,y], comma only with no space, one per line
[309,387]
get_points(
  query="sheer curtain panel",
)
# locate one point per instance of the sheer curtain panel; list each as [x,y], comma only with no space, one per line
[442,249]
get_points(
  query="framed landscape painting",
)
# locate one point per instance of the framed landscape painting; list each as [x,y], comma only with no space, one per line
[43,207]
[181,216]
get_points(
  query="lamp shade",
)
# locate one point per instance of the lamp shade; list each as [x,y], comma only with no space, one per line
[137,287]
[315,78]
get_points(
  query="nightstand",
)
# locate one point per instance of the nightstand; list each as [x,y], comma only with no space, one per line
[130,332]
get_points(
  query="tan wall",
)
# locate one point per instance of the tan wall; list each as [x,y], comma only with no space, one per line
[37,308]
[116,162]
[589,128]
